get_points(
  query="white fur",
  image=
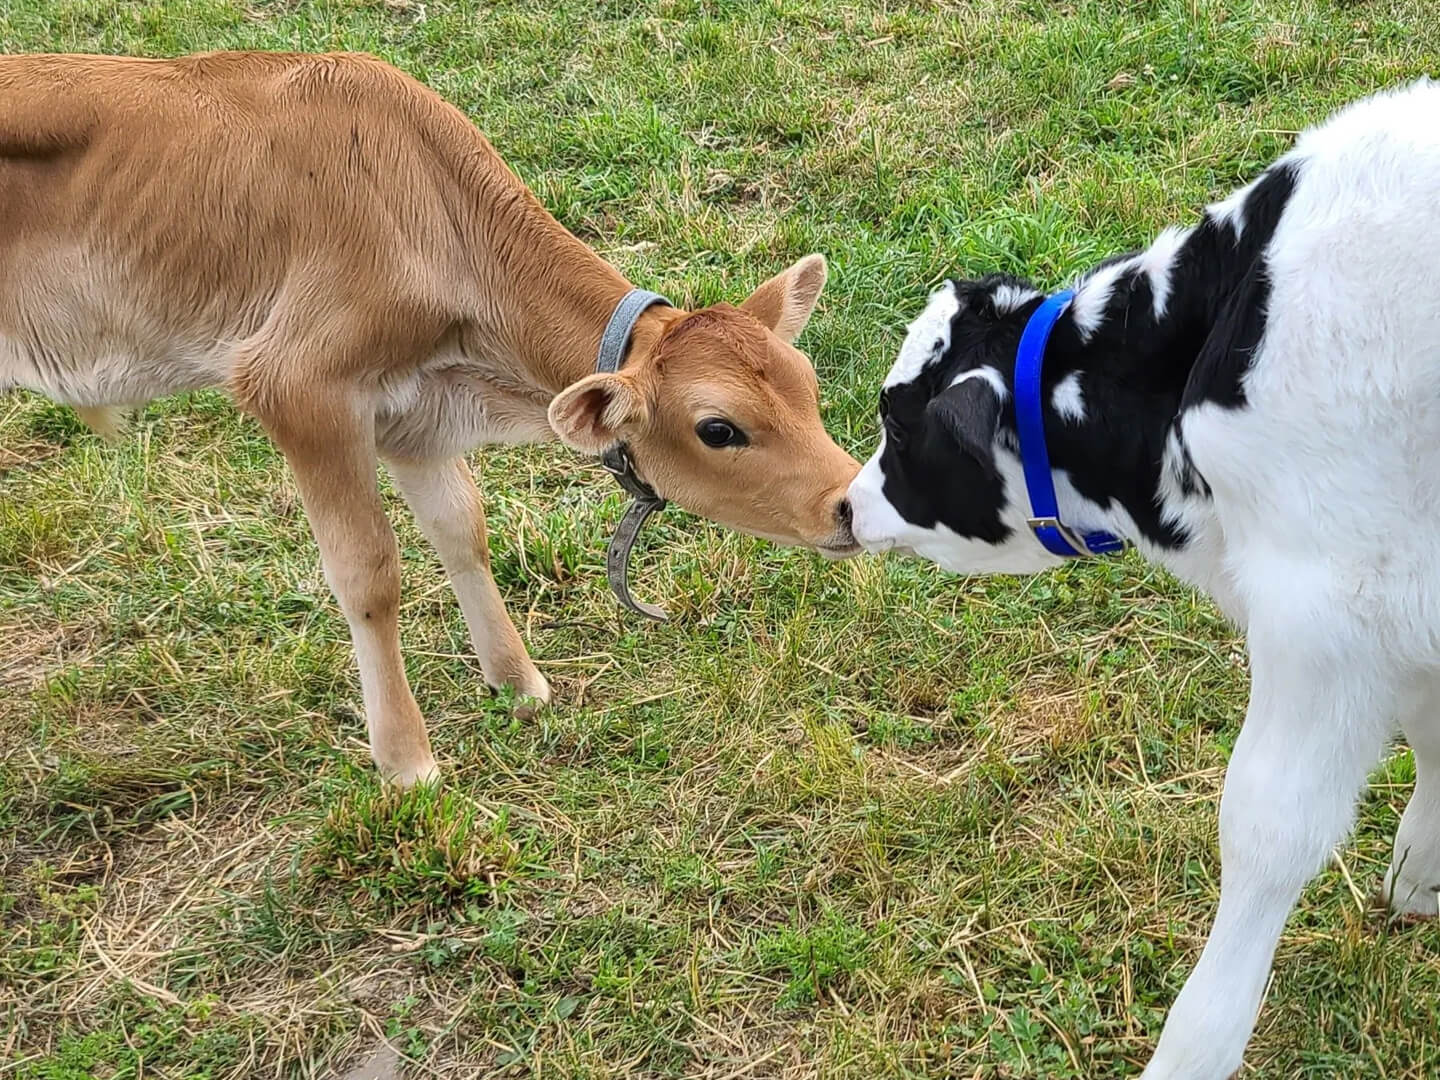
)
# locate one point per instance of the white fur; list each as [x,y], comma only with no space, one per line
[1067,399]
[1092,296]
[1231,209]
[1008,298]
[927,337]
[987,374]
[1317,539]
[1157,263]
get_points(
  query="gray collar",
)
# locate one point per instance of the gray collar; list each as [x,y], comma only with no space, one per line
[616,338]
[613,343]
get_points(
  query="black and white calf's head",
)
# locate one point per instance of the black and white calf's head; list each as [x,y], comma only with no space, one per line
[1147,336]
[946,482]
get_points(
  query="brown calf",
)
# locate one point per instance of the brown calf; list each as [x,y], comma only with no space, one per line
[346,254]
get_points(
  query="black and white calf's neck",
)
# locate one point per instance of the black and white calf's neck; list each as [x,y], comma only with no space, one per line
[1147,335]
[1255,402]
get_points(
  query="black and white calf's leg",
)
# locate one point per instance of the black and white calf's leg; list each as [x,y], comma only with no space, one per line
[1412,885]
[1321,710]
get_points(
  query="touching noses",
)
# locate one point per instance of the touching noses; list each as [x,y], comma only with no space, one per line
[865,507]
[842,513]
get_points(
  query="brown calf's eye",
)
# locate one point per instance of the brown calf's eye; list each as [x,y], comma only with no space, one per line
[718,433]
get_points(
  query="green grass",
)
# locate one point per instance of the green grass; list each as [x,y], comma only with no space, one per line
[841,821]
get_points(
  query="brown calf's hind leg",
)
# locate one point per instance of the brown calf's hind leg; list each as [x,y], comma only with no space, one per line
[447,506]
[334,461]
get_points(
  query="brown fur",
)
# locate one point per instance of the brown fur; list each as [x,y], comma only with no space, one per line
[346,254]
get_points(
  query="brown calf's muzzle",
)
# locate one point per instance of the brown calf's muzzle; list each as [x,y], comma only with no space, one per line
[719,412]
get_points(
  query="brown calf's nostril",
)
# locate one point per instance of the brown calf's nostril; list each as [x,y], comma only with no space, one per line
[843,514]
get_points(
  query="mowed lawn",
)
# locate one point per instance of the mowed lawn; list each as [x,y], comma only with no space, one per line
[835,821]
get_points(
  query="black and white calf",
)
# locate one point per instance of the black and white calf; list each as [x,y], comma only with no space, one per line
[1254,402]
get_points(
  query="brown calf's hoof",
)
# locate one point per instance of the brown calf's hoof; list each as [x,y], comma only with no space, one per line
[424,771]
[532,692]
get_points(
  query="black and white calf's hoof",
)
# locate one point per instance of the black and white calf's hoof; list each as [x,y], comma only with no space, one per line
[1409,901]
[1412,884]
[1412,887]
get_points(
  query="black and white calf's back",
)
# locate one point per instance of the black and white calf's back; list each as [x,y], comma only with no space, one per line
[1255,403]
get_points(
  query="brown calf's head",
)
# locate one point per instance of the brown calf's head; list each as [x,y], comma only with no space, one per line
[722,414]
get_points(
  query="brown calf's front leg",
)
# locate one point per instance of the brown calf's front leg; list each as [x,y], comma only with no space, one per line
[447,507]
[334,461]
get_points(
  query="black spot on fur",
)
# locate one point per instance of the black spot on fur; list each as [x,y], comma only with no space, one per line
[1224,360]
[1188,477]
[938,462]
[1239,321]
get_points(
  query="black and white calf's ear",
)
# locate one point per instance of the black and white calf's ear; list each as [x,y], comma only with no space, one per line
[969,413]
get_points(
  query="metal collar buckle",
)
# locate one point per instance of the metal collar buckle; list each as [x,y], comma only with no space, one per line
[618,463]
[1067,534]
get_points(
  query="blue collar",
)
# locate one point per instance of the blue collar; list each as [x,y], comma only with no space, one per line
[1058,538]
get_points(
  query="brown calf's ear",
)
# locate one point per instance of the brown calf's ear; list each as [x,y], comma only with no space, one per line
[597,412]
[784,303]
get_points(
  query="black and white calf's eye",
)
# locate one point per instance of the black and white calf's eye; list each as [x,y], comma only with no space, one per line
[894,433]
[718,433]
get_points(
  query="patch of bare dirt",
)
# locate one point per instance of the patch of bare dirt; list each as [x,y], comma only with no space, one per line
[18,455]
[28,649]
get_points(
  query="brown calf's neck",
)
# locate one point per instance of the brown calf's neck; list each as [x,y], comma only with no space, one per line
[550,294]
